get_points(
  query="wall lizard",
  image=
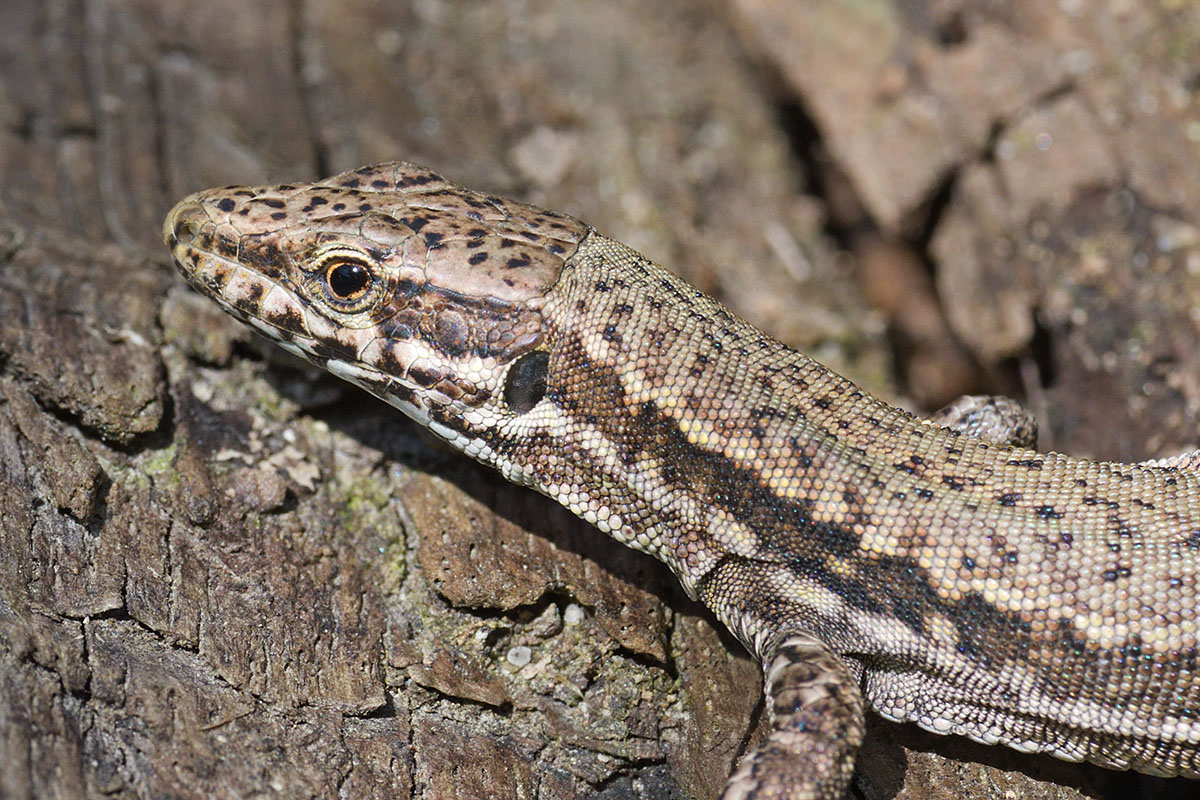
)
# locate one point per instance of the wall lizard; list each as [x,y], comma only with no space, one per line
[936,571]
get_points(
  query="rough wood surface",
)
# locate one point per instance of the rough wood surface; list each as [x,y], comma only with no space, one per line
[223,574]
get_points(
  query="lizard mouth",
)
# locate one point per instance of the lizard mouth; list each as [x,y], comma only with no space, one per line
[260,296]
[208,258]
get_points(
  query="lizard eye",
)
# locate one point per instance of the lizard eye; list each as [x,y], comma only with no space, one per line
[346,279]
[525,384]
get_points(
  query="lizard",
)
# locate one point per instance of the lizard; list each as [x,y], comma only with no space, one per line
[937,571]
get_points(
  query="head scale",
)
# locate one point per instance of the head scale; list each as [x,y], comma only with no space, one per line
[423,293]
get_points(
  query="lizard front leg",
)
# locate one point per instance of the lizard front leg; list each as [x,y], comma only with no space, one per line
[816,714]
[813,696]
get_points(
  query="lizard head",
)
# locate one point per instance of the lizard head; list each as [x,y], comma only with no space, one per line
[427,295]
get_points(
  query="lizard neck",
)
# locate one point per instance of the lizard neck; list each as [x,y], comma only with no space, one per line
[697,425]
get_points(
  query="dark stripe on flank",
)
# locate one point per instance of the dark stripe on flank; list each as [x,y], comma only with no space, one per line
[827,553]
[644,433]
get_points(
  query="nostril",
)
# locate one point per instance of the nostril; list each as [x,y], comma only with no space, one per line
[185,231]
[183,223]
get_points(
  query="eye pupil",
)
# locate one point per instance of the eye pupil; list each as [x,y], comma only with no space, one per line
[348,280]
[525,385]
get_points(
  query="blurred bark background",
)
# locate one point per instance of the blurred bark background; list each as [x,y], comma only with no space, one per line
[226,574]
